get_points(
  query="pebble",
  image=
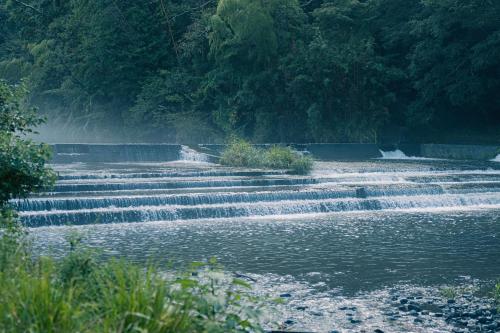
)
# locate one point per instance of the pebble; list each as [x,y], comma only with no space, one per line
[468,314]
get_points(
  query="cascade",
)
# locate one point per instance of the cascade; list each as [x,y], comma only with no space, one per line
[142,190]
[188,154]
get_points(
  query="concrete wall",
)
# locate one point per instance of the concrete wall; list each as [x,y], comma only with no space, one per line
[343,151]
[68,153]
[461,152]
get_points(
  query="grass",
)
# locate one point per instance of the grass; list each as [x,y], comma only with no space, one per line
[79,294]
[240,153]
[449,293]
[496,294]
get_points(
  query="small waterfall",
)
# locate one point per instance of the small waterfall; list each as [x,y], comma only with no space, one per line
[394,155]
[188,154]
[175,212]
[496,159]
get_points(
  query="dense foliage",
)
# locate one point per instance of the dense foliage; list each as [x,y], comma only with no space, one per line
[22,161]
[79,294]
[240,153]
[266,70]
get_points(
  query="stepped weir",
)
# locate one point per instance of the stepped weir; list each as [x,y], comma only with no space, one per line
[101,184]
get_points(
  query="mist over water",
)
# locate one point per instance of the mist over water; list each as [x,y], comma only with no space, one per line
[62,131]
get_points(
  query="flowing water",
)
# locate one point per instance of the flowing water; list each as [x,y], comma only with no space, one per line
[350,234]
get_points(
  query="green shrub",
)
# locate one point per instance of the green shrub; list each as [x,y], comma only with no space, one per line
[278,157]
[302,165]
[240,153]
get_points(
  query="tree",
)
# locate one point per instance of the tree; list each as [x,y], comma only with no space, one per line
[22,161]
[455,65]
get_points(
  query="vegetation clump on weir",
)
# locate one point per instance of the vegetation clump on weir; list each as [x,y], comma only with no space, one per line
[241,153]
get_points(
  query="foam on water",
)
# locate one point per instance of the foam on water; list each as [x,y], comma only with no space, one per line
[393,155]
[400,155]
[189,154]
[496,159]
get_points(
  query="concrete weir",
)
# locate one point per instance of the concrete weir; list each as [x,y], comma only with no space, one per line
[69,153]
[460,152]
[344,151]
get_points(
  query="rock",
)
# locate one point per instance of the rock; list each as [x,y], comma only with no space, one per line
[438,314]
[343,308]
[403,308]
[418,320]
[403,301]
[414,307]
[474,314]
[451,301]
[355,321]
[466,314]
[301,308]
[289,322]
[285,295]
[413,313]
[378,331]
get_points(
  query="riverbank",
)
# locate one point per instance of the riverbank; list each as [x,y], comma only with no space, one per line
[80,293]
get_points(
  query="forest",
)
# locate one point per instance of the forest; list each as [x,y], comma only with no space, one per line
[264,70]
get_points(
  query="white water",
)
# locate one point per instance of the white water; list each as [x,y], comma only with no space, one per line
[188,154]
[496,159]
[393,155]
[400,155]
